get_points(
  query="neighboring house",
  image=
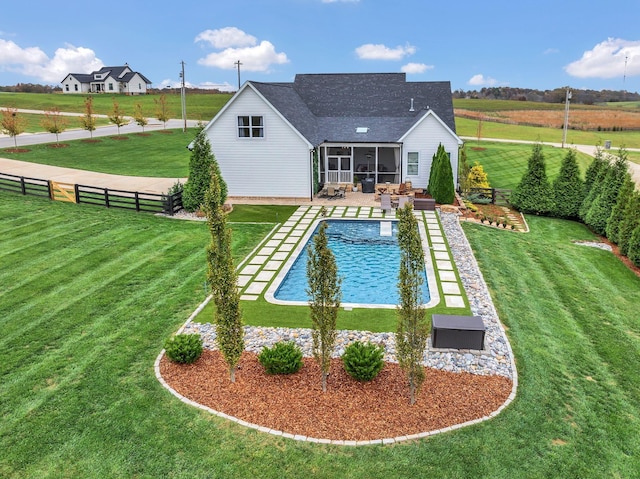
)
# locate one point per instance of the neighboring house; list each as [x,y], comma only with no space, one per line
[282,139]
[107,80]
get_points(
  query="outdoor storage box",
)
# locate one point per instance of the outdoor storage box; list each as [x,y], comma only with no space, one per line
[457,332]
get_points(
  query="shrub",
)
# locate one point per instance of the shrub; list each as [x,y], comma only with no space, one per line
[634,247]
[534,194]
[282,358]
[600,210]
[568,188]
[477,178]
[441,185]
[184,348]
[363,361]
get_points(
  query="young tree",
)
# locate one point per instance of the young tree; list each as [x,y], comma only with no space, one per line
[463,170]
[223,278]
[117,116]
[442,190]
[412,327]
[325,294]
[568,188]
[534,194]
[600,210]
[139,117]
[200,164]
[88,121]
[162,111]
[54,122]
[625,195]
[477,177]
[13,124]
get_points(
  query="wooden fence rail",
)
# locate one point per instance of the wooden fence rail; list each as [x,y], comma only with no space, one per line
[132,200]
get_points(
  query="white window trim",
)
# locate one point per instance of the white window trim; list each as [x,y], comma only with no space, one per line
[250,127]
[417,163]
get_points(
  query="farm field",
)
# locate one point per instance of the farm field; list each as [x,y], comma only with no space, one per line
[94,292]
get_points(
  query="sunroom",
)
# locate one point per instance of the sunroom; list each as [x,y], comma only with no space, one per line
[353,163]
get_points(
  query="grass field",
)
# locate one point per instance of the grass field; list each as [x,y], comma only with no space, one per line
[505,163]
[200,106]
[157,154]
[34,122]
[90,295]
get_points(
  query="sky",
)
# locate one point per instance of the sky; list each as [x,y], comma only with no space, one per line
[473,44]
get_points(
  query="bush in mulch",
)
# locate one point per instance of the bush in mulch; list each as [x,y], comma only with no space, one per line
[119,137]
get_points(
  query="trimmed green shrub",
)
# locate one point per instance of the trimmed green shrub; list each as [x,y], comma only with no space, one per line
[593,181]
[363,361]
[441,185]
[568,188]
[200,164]
[629,223]
[625,195]
[603,204]
[183,348]
[534,194]
[282,358]
[634,247]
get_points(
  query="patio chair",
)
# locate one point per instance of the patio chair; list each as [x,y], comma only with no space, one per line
[385,202]
[402,200]
[331,192]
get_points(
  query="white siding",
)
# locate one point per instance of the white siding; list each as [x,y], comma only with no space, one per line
[277,165]
[132,86]
[424,139]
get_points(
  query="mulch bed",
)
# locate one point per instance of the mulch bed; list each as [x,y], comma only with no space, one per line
[58,145]
[16,150]
[167,132]
[119,137]
[349,410]
[143,134]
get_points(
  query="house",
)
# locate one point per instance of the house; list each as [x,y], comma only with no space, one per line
[283,139]
[107,80]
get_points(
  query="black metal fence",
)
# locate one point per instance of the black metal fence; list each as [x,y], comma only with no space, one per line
[495,196]
[132,200]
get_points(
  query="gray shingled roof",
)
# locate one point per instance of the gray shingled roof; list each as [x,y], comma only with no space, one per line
[114,72]
[329,107]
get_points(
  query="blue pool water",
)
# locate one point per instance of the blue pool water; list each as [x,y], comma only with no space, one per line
[367,262]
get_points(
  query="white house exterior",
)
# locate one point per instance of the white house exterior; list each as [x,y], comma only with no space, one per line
[283,139]
[107,80]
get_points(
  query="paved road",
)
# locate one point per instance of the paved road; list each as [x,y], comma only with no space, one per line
[634,168]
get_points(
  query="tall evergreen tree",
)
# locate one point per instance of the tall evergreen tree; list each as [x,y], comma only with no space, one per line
[435,169]
[443,189]
[324,299]
[603,204]
[412,327]
[534,194]
[201,163]
[568,188]
[629,223]
[618,212]
[634,247]
[222,278]
[463,170]
[594,178]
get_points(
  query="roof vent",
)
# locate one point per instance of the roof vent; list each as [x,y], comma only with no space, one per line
[412,109]
[362,129]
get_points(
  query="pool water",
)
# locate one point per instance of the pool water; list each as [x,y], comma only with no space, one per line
[368,264]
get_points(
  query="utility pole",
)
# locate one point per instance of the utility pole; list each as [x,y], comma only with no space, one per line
[238,65]
[183,99]
[566,117]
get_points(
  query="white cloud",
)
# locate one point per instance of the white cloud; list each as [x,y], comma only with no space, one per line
[416,68]
[551,51]
[607,60]
[226,37]
[481,80]
[253,57]
[370,51]
[32,61]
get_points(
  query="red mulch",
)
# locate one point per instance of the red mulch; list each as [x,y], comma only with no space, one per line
[349,410]
[168,132]
[121,137]
[16,150]
[143,134]
[58,145]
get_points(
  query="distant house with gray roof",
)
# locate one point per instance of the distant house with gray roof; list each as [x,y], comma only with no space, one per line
[282,139]
[107,80]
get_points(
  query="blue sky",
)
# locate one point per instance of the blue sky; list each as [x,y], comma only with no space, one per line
[544,44]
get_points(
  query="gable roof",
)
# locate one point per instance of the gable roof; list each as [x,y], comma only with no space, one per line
[331,107]
[121,73]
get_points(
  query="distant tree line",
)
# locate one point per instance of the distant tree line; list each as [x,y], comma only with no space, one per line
[557,95]
[31,88]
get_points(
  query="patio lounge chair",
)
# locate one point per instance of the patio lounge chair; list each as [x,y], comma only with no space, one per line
[403,200]
[331,192]
[385,202]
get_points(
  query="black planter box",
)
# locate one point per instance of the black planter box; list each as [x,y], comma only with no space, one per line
[457,332]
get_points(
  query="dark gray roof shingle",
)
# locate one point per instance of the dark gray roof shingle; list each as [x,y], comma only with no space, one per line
[329,107]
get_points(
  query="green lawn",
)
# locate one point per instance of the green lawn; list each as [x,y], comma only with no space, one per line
[157,154]
[200,106]
[505,163]
[89,295]
[34,123]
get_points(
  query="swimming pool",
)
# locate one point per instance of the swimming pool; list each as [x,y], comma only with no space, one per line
[367,261]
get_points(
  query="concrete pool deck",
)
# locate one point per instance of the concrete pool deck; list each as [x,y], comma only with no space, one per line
[265,266]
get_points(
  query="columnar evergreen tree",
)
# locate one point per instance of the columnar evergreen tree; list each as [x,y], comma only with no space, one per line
[412,327]
[568,188]
[534,194]
[441,185]
[629,223]
[202,161]
[593,180]
[617,215]
[222,278]
[324,299]
[463,170]
[603,204]
[634,247]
